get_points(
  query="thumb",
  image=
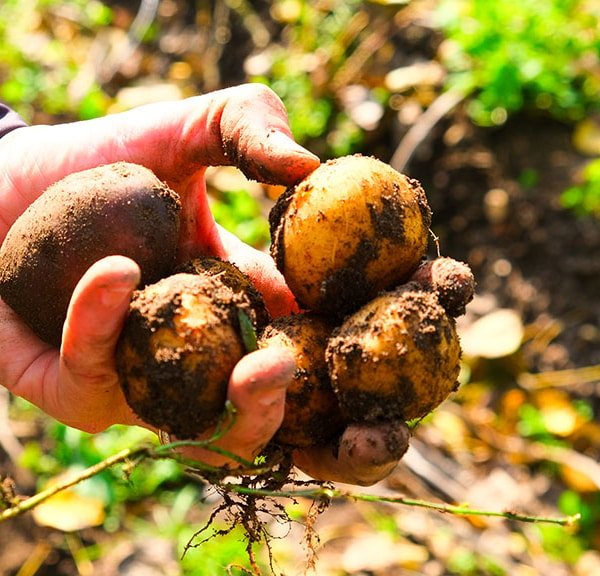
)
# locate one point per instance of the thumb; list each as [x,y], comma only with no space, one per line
[257,138]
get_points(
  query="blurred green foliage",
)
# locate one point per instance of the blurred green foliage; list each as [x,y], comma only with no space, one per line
[39,60]
[240,212]
[584,198]
[527,55]
[318,41]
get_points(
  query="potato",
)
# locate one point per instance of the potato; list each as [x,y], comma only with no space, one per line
[114,209]
[177,349]
[312,415]
[452,282]
[235,279]
[396,357]
[350,229]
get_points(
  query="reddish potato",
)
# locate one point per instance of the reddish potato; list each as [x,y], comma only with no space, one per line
[451,281]
[114,209]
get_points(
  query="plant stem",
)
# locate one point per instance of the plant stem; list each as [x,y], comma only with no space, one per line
[323,493]
[327,493]
[36,499]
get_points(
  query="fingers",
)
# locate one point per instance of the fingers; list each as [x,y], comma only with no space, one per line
[365,454]
[27,365]
[198,231]
[257,391]
[245,126]
[257,138]
[90,396]
[261,268]
[96,313]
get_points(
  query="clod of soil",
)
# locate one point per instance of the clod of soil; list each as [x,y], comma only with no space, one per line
[350,229]
[114,209]
[312,415]
[177,349]
[398,357]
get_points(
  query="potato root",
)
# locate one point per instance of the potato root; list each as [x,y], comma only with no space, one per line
[312,415]
[177,349]
[114,209]
[350,229]
[396,357]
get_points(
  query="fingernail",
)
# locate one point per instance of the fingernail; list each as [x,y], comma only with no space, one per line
[283,141]
[272,397]
[115,296]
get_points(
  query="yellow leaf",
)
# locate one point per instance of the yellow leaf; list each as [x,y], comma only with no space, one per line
[586,136]
[577,480]
[557,412]
[69,511]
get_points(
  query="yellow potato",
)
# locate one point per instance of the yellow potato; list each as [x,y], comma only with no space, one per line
[397,357]
[312,414]
[352,228]
[177,350]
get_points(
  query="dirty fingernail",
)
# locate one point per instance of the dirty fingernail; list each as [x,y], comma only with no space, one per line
[271,397]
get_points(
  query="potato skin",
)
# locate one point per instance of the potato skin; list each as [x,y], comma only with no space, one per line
[396,357]
[235,279]
[176,352]
[113,209]
[312,415]
[350,229]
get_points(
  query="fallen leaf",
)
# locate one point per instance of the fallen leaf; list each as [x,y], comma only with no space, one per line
[69,511]
[495,335]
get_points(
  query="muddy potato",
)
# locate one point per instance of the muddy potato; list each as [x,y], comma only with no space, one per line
[349,230]
[312,415]
[177,349]
[114,209]
[452,282]
[397,357]
[235,279]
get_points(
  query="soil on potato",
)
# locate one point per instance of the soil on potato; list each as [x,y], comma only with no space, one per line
[397,357]
[177,349]
[235,279]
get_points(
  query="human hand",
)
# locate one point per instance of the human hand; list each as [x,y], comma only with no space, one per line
[244,126]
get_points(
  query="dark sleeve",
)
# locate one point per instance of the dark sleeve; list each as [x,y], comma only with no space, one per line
[9,120]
